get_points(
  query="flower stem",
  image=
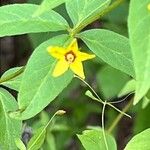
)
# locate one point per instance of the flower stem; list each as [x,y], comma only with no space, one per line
[115,122]
[100,100]
[78,28]
[44,129]
[11,76]
[103,125]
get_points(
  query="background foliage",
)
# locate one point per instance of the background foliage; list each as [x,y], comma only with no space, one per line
[118,32]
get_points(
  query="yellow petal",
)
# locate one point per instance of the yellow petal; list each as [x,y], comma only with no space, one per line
[56,52]
[77,68]
[73,46]
[84,56]
[60,68]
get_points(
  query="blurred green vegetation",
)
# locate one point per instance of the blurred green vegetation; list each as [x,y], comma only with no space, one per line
[82,111]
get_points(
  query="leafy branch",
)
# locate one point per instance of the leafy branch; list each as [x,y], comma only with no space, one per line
[78,28]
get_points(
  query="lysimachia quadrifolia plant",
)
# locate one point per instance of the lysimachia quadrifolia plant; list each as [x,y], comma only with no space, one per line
[54,63]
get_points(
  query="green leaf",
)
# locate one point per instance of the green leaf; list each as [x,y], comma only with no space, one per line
[34,1]
[145,102]
[37,140]
[119,14]
[111,81]
[10,129]
[142,120]
[12,83]
[94,140]
[89,94]
[20,144]
[50,142]
[140,141]
[82,11]
[139,33]
[111,47]
[128,88]
[47,5]
[38,87]
[17,19]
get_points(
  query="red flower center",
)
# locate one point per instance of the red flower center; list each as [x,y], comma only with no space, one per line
[70,57]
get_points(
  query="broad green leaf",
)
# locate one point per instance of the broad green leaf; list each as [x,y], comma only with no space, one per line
[38,87]
[142,120]
[119,14]
[10,129]
[128,88]
[38,38]
[17,19]
[139,33]
[15,82]
[44,117]
[140,141]
[94,140]
[81,11]
[37,140]
[111,81]
[47,5]
[111,47]
[20,144]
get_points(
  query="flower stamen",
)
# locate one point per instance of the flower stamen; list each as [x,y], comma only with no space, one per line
[70,57]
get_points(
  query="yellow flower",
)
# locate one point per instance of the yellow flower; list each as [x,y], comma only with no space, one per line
[69,57]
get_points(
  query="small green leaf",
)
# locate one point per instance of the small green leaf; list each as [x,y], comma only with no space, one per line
[140,141]
[82,11]
[17,19]
[128,88]
[20,144]
[10,129]
[15,82]
[111,47]
[139,33]
[111,81]
[94,140]
[47,5]
[89,94]
[38,87]
[37,140]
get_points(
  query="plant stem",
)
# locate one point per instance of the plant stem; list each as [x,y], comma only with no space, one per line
[11,76]
[115,122]
[100,100]
[103,125]
[43,130]
[121,112]
[78,28]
